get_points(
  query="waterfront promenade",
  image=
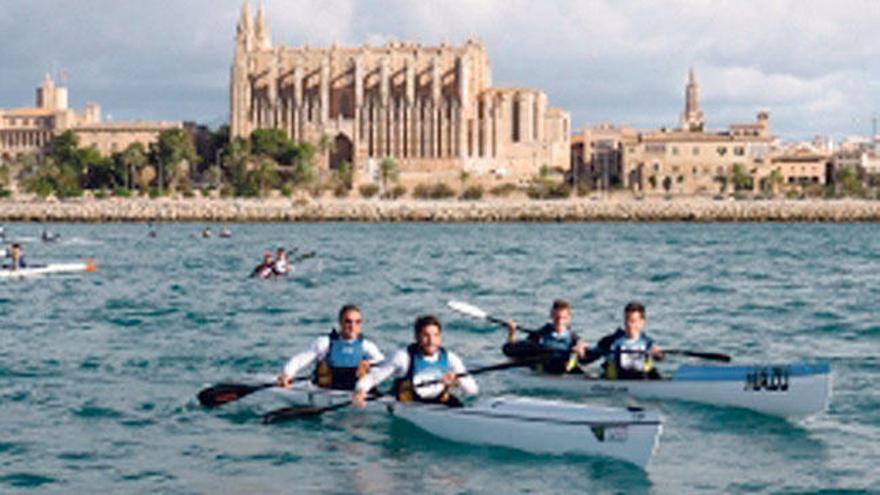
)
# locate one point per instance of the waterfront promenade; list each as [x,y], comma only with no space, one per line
[493,210]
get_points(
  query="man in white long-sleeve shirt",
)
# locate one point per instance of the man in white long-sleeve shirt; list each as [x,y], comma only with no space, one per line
[342,357]
[424,361]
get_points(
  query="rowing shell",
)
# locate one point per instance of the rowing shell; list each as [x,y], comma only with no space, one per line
[788,390]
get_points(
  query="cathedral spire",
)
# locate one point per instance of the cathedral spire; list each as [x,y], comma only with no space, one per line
[264,41]
[692,118]
[244,32]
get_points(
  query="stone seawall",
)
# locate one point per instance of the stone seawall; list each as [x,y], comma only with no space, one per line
[285,210]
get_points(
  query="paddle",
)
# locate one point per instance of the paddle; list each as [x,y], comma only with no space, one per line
[475,312]
[711,356]
[223,393]
[298,412]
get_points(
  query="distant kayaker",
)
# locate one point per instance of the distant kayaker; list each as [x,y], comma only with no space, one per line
[342,357]
[48,237]
[565,346]
[264,269]
[426,360]
[226,233]
[206,234]
[281,266]
[17,256]
[629,353]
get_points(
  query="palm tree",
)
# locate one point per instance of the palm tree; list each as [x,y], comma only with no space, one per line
[133,158]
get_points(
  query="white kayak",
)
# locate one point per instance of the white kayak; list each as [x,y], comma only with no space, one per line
[788,390]
[36,270]
[531,425]
[541,427]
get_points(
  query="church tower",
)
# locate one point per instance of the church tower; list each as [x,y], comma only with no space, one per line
[261,32]
[239,86]
[692,118]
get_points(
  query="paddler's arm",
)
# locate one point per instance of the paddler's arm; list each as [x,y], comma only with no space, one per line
[397,367]
[466,383]
[602,348]
[303,360]
[657,353]
[511,331]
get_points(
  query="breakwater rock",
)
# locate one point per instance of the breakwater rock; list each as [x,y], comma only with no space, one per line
[357,210]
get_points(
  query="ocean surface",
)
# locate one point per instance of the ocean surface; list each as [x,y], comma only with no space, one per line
[98,372]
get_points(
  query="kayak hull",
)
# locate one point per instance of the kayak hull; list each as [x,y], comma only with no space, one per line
[792,391]
[541,427]
[45,270]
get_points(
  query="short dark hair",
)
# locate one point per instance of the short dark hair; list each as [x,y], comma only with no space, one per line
[15,245]
[634,307]
[348,307]
[426,321]
[561,304]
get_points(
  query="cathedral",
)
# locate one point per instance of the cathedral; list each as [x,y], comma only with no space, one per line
[432,109]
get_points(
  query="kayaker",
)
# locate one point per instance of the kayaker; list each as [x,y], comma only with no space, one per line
[226,233]
[206,234]
[565,346]
[342,357]
[629,353]
[281,266]
[264,269]
[423,361]
[17,256]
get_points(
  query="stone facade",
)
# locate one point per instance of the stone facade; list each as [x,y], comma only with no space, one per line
[432,109]
[685,160]
[30,130]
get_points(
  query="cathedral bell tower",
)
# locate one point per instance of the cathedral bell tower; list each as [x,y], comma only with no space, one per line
[692,118]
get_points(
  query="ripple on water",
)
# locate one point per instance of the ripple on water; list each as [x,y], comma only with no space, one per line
[26,480]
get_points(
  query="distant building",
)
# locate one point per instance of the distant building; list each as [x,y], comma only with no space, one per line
[599,156]
[30,130]
[685,160]
[432,109]
[691,160]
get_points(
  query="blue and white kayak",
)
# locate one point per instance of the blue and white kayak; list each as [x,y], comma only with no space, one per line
[788,390]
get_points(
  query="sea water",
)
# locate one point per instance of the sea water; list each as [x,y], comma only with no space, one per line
[99,371]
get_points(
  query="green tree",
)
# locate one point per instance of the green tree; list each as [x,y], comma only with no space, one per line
[173,149]
[722,181]
[388,171]
[742,180]
[463,177]
[345,175]
[273,143]
[849,181]
[265,175]
[63,149]
[132,159]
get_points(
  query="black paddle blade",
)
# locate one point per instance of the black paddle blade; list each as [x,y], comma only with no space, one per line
[288,413]
[223,393]
[714,356]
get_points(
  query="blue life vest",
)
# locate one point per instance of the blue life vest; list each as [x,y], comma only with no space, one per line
[620,364]
[422,370]
[560,345]
[339,368]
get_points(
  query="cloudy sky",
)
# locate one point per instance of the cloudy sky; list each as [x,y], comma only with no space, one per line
[815,65]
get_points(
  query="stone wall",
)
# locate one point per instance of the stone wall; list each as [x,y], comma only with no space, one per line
[302,210]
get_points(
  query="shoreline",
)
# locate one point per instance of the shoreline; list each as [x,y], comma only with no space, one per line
[140,210]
